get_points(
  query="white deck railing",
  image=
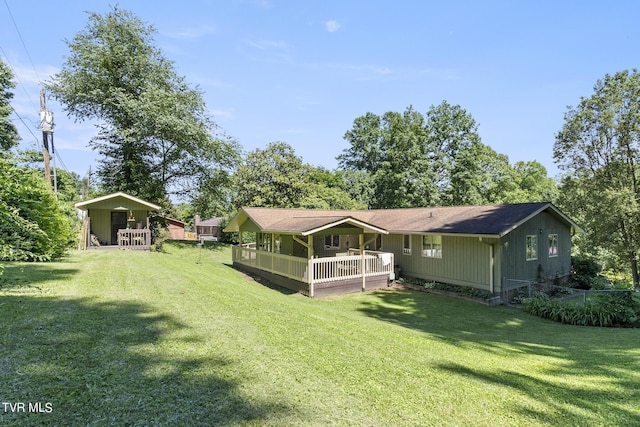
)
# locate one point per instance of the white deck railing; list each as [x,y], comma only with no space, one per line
[324,269]
[134,239]
[284,265]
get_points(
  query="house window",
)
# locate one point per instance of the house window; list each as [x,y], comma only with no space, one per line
[332,241]
[432,246]
[532,247]
[264,242]
[553,245]
[406,244]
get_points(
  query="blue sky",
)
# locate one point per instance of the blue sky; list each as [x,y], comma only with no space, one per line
[302,71]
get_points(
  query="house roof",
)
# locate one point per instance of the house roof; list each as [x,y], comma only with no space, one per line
[487,220]
[87,204]
[211,222]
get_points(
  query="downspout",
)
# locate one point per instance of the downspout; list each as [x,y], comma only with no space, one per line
[491,263]
[491,267]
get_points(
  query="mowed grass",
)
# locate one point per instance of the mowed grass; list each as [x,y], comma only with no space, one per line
[181,338]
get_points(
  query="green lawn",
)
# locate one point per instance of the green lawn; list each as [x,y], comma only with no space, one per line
[181,338]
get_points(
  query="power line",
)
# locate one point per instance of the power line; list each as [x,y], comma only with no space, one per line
[17,77]
[25,125]
[22,40]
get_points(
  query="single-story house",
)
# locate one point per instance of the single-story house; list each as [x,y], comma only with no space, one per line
[208,229]
[117,219]
[319,252]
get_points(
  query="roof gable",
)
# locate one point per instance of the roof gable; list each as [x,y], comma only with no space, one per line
[103,200]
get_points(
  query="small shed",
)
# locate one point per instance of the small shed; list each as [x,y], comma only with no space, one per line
[112,220]
[176,228]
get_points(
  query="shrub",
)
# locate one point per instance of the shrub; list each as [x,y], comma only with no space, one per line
[584,270]
[611,309]
[33,225]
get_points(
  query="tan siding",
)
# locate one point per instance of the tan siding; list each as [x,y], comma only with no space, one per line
[465,260]
[101,224]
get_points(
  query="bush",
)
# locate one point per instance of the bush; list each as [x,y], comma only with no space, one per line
[584,270]
[611,309]
[33,225]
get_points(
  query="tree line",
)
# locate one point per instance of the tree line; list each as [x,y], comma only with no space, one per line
[157,142]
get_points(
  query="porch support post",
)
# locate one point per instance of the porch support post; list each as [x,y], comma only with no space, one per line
[362,259]
[312,272]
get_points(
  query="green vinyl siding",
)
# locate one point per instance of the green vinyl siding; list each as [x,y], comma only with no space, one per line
[101,222]
[515,264]
[464,260]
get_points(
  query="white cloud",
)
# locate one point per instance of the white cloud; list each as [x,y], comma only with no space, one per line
[268,44]
[223,114]
[192,33]
[332,26]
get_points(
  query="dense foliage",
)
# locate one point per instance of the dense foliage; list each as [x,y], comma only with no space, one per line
[33,225]
[155,136]
[584,271]
[612,309]
[599,148]
[409,160]
[8,131]
[276,177]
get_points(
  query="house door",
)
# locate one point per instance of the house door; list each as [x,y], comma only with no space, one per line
[118,222]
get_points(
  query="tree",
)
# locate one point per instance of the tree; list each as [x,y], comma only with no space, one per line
[415,160]
[155,135]
[276,177]
[528,182]
[599,147]
[8,132]
[33,225]
[273,177]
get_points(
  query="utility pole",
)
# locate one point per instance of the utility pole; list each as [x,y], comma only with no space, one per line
[46,123]
[45,137]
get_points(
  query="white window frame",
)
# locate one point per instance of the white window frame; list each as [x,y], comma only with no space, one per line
[406,250]
[531,247]
[553,245]
[332,240]
[432,246]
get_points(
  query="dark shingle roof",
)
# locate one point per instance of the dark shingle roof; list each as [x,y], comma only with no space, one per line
[494,220]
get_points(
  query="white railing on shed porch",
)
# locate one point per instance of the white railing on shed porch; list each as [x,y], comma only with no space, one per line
[139,238]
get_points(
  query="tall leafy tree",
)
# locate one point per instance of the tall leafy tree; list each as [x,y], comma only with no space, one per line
[155,135]
[277,177]
[8,131]
[416,160]
[599,148]
[273,177]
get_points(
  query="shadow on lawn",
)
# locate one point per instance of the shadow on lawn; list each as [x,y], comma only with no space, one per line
[28,275]
[502,331]
[114,364]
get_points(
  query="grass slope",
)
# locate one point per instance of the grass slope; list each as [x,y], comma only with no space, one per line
[181,338]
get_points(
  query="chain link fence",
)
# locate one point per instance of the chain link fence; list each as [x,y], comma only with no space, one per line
[513,291]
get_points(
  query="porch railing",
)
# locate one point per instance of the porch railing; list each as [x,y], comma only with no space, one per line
[134,239]
[324,269]
[284,265]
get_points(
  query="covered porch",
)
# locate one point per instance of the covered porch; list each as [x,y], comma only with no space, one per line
[353,271]
[320,256]
[116,220]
